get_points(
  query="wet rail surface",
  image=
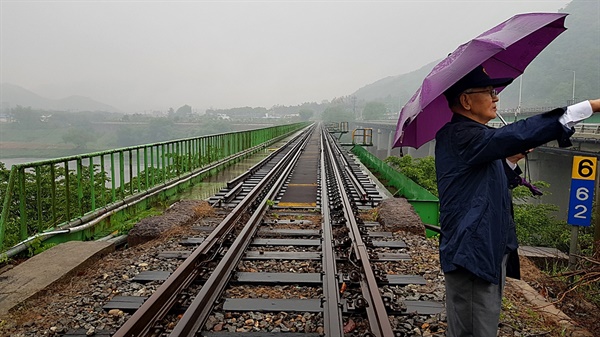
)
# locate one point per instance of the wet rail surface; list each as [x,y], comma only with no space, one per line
[291,244]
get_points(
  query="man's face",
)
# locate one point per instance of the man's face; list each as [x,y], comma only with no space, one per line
[481,103]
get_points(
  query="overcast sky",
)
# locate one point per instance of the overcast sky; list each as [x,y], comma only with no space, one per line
[151,55]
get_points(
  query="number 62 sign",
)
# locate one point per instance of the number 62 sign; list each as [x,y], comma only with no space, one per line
[582,191]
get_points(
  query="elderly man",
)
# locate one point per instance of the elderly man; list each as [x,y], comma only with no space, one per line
[474,165]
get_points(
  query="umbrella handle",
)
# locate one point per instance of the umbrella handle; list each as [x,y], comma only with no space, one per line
[505,123]
[534,190]
[501,118]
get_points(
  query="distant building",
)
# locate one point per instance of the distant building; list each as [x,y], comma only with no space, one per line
[270,116]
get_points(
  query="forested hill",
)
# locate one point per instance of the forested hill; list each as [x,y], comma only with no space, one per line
[14,95]
[548,81]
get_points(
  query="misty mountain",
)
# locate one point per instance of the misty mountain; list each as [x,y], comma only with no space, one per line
[13,95]
[547,81]
[395,89]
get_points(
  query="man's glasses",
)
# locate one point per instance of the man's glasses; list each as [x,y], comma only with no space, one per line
[492,92]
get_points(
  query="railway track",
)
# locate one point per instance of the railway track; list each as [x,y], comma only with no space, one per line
[300,204]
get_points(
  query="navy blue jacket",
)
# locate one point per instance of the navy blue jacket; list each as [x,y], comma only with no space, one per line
[477,227]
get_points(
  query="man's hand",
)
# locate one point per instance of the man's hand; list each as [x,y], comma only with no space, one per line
[515,158]
[595,104]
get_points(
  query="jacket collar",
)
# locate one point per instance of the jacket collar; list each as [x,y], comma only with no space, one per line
[458,118]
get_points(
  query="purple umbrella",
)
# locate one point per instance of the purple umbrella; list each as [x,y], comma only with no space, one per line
[504,51]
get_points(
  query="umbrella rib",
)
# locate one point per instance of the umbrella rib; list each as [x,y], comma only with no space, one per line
[508,65]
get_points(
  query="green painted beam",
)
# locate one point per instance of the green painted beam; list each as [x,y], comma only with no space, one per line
[426,205]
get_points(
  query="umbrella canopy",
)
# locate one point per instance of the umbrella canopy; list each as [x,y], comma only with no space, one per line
[504,51]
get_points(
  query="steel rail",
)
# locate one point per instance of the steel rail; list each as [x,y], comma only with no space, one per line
[237,180]
[357,185]
[376,311]
[234,192]
[197,313]
[236,184]
[163,299]
[333,323]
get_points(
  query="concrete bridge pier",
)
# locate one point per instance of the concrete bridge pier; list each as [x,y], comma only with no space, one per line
[427,149]
[384,144]
[379,144]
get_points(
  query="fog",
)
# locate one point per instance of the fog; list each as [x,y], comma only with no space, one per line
[151,55]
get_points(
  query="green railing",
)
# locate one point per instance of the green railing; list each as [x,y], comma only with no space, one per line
[46,195]
[425,204]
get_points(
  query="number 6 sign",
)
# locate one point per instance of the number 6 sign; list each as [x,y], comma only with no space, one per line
[582,191]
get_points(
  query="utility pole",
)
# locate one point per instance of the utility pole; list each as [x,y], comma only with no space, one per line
[573,96]
[518,111]
[573,87]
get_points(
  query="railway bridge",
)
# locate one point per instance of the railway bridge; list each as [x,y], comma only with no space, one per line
[306,202]
[294,237]
[63,199]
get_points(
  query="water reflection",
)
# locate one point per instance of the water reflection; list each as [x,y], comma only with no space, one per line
[213,184]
